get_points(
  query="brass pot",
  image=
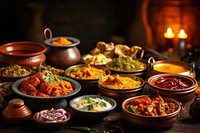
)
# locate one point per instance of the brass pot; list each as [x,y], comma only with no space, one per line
[189,69]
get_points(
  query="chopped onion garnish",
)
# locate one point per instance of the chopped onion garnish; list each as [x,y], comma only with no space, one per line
[52,115]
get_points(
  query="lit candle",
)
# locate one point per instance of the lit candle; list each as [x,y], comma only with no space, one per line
[182,34]
[182,44]
[169,33]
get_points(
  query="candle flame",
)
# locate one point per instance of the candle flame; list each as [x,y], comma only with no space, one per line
[182,34]
[169,33]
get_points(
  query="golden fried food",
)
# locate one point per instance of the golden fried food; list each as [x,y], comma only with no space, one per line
[111,50]
[97,59]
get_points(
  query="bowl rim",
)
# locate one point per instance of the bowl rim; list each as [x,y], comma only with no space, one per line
[27,68]
[176,112]
[108,72]
[130,71]
[154,77]
[4,46]
[114,104]
[123,90]
[50,123]
[16,84]
[75,41]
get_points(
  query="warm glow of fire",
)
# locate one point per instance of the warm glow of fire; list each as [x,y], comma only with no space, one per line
[182,34]
[169,33]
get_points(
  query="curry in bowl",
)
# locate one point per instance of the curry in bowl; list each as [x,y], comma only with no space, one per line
[170,68]
[86,72]
[14,70]
[121,82]
[46,86]
[151,111]
[126,64]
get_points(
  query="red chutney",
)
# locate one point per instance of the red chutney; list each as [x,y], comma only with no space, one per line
[171,83]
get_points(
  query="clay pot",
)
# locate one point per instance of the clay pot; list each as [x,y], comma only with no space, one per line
[16,112]
[60,56]
[27,54]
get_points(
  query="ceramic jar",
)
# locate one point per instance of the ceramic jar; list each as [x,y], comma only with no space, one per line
[62,56]
[23,53]
[16,112]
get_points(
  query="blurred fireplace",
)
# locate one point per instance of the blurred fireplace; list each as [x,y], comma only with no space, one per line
[177,14]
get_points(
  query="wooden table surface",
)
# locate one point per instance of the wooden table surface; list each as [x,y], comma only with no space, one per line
[111,124]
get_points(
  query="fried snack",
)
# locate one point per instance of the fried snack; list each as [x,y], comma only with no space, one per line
[98,59]
[104,48]
[134,50]
[119,50]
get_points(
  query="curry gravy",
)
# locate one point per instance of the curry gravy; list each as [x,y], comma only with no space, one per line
[170,68]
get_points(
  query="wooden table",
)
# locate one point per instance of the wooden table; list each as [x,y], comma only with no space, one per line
[114,121]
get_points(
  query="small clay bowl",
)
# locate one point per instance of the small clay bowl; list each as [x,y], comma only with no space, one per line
[88,86]
[51,125]
[121,94]
[150,122]
[181,95]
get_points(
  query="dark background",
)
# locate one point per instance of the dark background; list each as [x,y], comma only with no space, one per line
[119,21]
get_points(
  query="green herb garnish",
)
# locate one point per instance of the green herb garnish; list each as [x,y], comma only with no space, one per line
[130,108]
[49,77]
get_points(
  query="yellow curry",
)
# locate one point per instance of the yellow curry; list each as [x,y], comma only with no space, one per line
[170,68]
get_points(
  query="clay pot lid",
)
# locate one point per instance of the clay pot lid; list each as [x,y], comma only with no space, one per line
[16,103]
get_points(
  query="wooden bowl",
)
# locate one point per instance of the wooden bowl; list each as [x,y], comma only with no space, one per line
[22,53]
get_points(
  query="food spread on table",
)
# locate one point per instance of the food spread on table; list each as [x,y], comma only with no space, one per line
[47,81]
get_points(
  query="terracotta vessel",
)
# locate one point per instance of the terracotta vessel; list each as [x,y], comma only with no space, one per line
[151,122]
[182,95]
[62,56]
[22,53]
[16,112]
